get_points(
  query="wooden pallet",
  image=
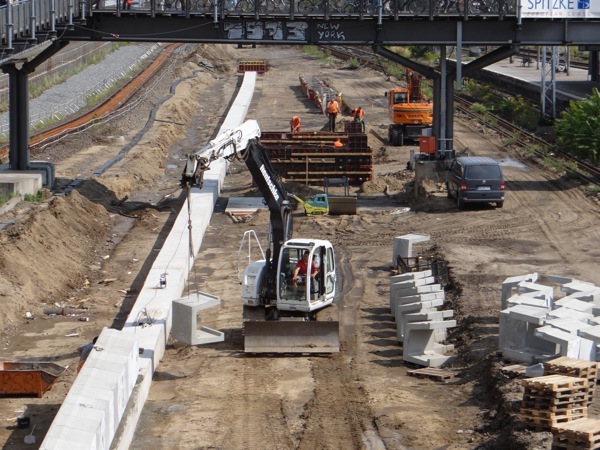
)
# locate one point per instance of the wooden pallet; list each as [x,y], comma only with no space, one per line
[543,423]
[580,368]
[579,434]
[514,369]
[557,402]
[571,366]
[554,383]
[432,373]
[577,411]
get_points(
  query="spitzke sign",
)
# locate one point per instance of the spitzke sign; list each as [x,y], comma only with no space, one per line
[560,8]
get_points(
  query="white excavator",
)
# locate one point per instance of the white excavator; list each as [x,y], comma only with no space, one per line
[282,313]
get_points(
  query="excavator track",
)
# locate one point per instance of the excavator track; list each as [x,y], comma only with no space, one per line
[291,334]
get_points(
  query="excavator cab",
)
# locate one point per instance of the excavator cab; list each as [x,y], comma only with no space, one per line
[313,290]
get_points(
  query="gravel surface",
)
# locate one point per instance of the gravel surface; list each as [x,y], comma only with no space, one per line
[70,95]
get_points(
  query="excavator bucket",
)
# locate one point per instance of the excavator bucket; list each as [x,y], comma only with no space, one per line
[291,336]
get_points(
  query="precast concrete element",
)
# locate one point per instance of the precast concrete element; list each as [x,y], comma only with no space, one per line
[517,339]
[509,283]
[577,286]
[91,412]
[569,345]
[593,334]
[420,346]
[536,290]
[527,299]
[535,326]
[410,276]
[409,308]
[19,182]
[568,324]
[439,295]
[567,313]
[150,319]
[424,316]
[397,288]
[592,295]
[578,305]
[403,246]
[185,320]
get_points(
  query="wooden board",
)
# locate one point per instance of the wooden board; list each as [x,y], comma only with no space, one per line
[432,373]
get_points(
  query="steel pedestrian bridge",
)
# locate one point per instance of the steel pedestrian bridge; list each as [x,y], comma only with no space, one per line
[319,22]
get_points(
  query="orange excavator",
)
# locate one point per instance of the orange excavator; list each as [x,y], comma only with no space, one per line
[409,111]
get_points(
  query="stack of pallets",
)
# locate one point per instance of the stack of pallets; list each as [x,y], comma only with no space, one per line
[573,367]
[553,400]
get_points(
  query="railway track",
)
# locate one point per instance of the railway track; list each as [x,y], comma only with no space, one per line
[112,106]
[522,138]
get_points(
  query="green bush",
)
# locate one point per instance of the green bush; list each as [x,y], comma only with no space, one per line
[578,128]
[353,63]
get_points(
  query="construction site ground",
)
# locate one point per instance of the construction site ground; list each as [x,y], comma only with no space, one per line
[86,255]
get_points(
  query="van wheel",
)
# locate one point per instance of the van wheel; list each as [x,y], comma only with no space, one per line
[459,201]
[499,204]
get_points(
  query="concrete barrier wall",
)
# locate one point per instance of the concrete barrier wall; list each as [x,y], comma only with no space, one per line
[98,419]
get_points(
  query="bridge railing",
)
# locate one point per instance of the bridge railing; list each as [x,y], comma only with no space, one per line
[24,20]
[331,8]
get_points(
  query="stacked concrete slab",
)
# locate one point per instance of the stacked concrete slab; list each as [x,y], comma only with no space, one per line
[414,301]
[535,326]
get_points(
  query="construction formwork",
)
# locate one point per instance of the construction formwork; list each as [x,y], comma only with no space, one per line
[309,157]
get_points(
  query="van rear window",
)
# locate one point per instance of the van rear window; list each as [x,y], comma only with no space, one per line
[483,172]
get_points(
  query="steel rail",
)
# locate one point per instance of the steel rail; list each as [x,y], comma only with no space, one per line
[112,104]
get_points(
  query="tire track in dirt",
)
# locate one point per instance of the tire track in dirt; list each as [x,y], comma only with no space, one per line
[563,223]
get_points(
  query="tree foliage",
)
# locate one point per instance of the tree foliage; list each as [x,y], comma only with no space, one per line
[578,128]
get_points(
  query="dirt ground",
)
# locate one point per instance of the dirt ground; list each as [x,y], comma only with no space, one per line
[86,254]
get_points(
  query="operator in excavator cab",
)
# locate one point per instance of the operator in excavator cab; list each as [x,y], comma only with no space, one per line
[301,270]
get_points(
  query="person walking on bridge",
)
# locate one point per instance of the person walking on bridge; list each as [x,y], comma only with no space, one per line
[333,108]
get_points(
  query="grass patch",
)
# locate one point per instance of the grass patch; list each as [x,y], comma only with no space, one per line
[353,63]
[6,198]
[34,197]
[316,52]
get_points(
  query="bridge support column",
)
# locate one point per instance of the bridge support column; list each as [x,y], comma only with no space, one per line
[594,66]
[18,115]
[18,84]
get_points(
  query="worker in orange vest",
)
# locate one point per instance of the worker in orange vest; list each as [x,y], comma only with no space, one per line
[359,114]
[295,124]
[337,143]
[333,108]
